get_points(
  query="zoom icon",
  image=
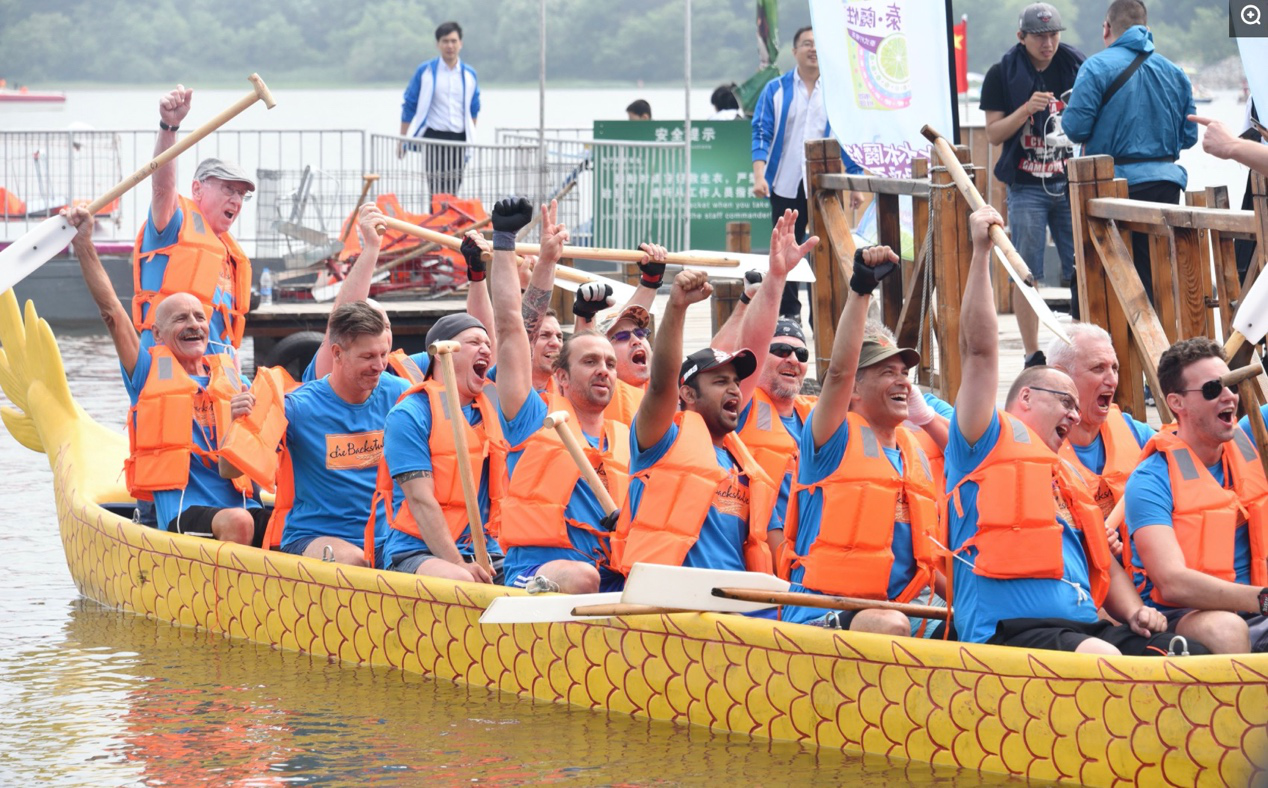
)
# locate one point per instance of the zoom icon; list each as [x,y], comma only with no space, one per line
[1246,19]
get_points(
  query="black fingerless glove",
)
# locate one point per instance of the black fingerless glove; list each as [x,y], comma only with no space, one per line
[510,215]
[651,273]
[752,277]
[865,277]
[592,297]
[474,256]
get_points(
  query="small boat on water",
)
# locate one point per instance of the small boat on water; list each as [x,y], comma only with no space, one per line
[1037,714]
[27,96]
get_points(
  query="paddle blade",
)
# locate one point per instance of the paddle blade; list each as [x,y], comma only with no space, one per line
[1252,314]
[684,588]
[544,608]
[33,250]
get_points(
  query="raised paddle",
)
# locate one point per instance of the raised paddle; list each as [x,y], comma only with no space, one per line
[575,252]
[1005,252]
[321,290]
[774,598]
[558,421]
[443,351]
[367,181]
[685,588]
[50,236]
[544,608]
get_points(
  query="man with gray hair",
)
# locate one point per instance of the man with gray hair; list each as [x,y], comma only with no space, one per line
[1104,446]
[185,246]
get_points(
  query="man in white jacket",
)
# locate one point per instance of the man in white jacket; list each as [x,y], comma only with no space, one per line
[441,103]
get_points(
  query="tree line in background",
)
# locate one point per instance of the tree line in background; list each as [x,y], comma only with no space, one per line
[382,41]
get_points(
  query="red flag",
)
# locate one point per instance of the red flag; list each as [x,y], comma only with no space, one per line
[961,33]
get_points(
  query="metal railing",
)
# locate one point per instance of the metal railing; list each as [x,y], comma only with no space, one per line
[557,133]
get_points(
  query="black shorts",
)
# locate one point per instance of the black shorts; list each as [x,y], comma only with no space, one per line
[1059,634]
[196,521]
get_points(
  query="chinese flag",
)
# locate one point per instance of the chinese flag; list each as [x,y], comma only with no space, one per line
[961,32]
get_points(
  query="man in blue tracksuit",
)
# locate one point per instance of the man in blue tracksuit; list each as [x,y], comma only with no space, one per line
[1143,125]
[789,112]
[442,102]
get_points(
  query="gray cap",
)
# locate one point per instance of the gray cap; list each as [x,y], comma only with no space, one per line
[1039,18]
[451,326]
[224,170]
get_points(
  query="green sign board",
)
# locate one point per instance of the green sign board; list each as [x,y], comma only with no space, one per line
[721,181]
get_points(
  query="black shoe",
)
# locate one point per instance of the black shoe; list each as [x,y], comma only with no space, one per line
[1036,359]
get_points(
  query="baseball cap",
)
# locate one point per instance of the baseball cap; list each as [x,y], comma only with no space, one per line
[1039,18]
[641,317]
[224,170]
[789,328]
[710,358]
[878,348]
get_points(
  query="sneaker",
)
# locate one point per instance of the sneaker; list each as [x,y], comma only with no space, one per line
[1036,359]
[541,585]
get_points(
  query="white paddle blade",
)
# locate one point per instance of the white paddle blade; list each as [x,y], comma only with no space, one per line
[1042,310]
[544,608]
[33,250]
[684,588]
[1252,314]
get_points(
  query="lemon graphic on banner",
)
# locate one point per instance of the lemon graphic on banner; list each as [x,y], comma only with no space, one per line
[877,46]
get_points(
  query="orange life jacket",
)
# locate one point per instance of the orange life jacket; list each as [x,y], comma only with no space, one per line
[766,437]
[250,443]
[194,265]
[1122,455]
[160,440]
[624,404]
[1018,535]
[937,460]
[484,441]
[534,514]
[853,553]
[1205,515]
[405,367]
[677,493]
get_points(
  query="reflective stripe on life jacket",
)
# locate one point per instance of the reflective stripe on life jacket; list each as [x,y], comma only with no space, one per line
[1122,455]
[767,438]
[546,475]
[1018,535]
[484,442]
[250,442]
[624,404]
[1205,515]
[161,423]
[937,461]
[677,493]
[194,265]
[405,367]
[862,500]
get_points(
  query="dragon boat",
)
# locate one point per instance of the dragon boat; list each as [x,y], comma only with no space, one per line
[1041,715]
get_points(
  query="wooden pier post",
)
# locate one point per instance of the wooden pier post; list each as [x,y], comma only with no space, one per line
[952,252]
[727,292]
[831,276]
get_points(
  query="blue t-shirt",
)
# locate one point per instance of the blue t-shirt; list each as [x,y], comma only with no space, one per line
[982,602]
[335,448]
[1245,423]
[818,464]
[726,524]
[421,359]
[1093,455]
[407,447]
[152,279]
[582,505]
[940,406]
[793,424]
[1149,502]
[205,486]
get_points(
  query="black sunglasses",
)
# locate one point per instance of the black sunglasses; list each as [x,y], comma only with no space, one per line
[1210,389]
[784,350]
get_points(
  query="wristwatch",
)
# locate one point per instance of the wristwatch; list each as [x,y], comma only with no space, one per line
[1263,601]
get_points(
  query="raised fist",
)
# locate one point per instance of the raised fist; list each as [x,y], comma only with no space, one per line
[511,214]
[591,298]
[690,287]
[652,266]
[175,105]
[871,265]
[473,252]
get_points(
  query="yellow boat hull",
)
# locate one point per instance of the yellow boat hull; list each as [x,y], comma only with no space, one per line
[1042,715]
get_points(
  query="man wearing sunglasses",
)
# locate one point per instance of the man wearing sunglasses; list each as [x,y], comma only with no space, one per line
[1197,510]
[185,245]
[1031,564]
[866,502]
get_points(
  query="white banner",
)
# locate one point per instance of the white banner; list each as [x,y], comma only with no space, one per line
[1254,53]
[885,71]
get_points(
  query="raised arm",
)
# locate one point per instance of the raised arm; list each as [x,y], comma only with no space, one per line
[728,337]
[979,334]
[127,343]
[651,272]
[762,315]
[172,110]
[420,495]
[870,266]
[356,285]
[514,353]
[479,305]
[660,403]
[542,281]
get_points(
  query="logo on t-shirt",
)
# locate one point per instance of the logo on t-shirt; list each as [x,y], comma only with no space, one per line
[354,451]
[731,496]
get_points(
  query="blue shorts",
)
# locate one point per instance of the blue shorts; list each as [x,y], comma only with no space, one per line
[298,546]
[409,563]
[608,580]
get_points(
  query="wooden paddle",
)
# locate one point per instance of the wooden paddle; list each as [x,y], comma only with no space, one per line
[50,236]
[443,351]
[621,609]
[367,181]
[1005,251]
[558,421]
[575,252]
[544,608]
[773,598]
[1251,321]
[685,588]
[321,290]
